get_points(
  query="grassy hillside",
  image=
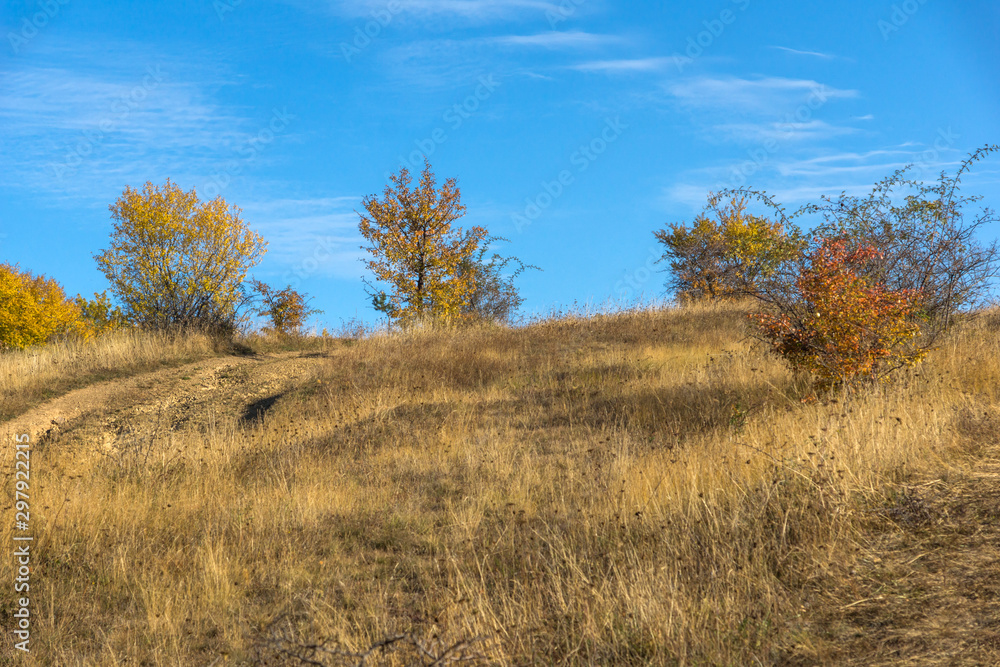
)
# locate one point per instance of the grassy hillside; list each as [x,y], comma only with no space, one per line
[641,488]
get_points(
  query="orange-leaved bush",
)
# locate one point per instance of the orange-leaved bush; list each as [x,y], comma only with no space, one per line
[841,326]
[34,309]
[927,237]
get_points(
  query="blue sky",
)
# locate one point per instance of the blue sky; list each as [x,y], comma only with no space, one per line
[575,127]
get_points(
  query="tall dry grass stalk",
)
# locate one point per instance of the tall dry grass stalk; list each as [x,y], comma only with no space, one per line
[640,488]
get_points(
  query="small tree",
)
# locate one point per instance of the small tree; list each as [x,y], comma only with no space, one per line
[840,325]
[175,261]
[99,314]
[417,252]
[726,252]
[286,309]
[33,310]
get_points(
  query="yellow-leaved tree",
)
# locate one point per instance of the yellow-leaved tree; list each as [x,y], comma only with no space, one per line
[726,252]
[417,252]
[34,309]
[175,261]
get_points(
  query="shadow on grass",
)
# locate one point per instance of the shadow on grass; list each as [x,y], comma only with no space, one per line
[257,410]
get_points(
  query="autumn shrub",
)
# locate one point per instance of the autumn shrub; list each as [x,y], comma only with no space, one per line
[885,278]
[177,262]
[34,309]
[286,310]
[726,253]
[839,324]
[99,315]
[928,240]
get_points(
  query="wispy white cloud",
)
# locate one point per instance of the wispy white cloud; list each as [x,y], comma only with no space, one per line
[626,65]
[813,130]
[879,156]
[690,195]
[79,132]
[798,195]
[694,196]
[58,100]
[283,206]
[309,237]
[570,39]
[814,54]
[795,175]
[476,11]
[760,111]
[442,63]
[925,161]
[759,94]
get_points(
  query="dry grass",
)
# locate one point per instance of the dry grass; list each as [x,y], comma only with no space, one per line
[31,376]
[641,488]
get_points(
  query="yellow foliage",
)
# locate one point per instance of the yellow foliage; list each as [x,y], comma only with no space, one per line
[728,256]
[34,309]
[415,250]
[99,315]
[177,261]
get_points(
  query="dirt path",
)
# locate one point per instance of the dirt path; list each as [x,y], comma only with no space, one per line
[231,382]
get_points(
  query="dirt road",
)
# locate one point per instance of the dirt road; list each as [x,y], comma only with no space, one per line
[242,383]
